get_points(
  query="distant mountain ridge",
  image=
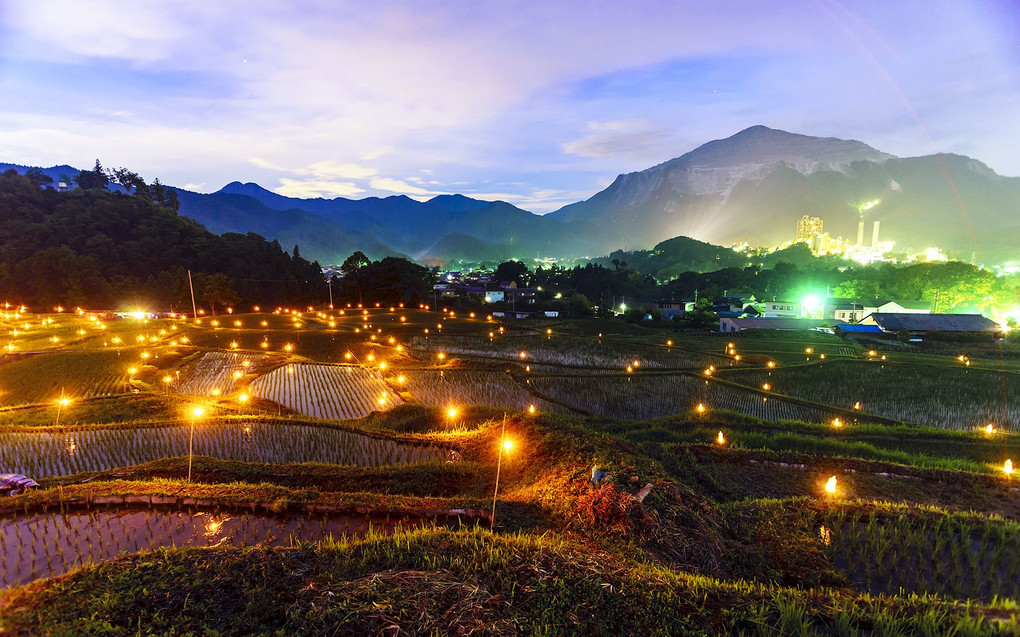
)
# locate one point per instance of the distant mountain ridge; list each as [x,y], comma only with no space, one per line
[755,185]
[752,186]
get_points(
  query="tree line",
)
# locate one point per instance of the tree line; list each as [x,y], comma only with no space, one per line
[101,249]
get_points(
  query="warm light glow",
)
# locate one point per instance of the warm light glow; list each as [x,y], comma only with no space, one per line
[701,408]
[1008,467]
[531,409]
[766,387]
[197,411]
[990,429]
[523,355]
[771,364]
[857,405]
[830,485]
[669,343]
[243,398]
[836,422]
[720,439]
[451,412]
[507,445]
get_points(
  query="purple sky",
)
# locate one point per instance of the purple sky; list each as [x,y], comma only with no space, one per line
[537,103]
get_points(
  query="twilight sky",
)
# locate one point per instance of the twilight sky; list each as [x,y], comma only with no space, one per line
[537,103]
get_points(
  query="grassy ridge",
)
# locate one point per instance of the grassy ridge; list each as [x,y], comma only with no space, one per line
[441,581]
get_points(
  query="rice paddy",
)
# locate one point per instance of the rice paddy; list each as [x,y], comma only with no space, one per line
[48,544]
[327,392]
[952,396]
[645,397]
[467,387]
[40,378]
[217,373]
[43,455]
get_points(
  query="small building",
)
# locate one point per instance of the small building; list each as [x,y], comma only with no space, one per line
[672,309]
[494,296]
[853,310]
[856,330]
[893,322]
[780,309]
[736,324]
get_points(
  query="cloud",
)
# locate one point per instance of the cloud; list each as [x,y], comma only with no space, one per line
[311,188]
[637,138]
[331,169]
[400,187]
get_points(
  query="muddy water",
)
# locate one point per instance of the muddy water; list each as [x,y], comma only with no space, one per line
[44,545]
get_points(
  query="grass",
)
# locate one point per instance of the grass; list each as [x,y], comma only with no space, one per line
[434,580]
[44,378]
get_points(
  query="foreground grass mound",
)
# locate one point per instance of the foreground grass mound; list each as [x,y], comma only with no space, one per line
[440,581]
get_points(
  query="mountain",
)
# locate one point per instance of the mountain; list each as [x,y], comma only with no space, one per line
[62,173]
[435,230]
[755,185]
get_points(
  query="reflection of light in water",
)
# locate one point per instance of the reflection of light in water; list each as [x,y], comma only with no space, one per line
[213,525]
[825,535]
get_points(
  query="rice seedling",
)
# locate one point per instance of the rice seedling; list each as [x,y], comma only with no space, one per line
[48,544]
[948,397]
[328,392]
[96,449]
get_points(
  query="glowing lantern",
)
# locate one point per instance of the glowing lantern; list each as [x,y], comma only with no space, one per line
[720,439]
[700,408]
[1008,467]
[830,485]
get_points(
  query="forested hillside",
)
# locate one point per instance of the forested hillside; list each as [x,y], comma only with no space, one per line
[96,248]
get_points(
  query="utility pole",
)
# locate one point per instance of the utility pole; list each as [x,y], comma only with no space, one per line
[194,308]
[330,283]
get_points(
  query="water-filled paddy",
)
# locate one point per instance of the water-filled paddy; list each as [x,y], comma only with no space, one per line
[48,544]
[42,455]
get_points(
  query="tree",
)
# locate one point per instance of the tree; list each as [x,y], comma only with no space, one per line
[352,266]
[95,179]
[128,180]
[38,177]
[512,271]
[217,289]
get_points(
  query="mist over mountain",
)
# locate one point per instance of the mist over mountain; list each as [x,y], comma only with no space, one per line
[752,186]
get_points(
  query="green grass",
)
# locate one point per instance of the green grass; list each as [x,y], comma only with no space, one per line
[434,581]
[42,378]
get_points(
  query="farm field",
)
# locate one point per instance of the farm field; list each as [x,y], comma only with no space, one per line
[328,392]
[49,544]
[40,378]
[218,372]
[735,535]
[568,351]
[467,387]
[97,449]
[645,396]
[950,396]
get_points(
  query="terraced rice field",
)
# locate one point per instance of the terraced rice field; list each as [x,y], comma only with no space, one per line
[934,554]
[464,387]
[641,397]
[42,455]
[42,378]
[328,392]
[566,351]
[49,544]
[947,397]
[216,372]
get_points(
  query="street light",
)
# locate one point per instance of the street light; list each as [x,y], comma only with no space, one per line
[61,403]
[195,413]
[504,445]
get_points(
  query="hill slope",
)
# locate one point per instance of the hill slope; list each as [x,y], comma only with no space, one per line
[755,185]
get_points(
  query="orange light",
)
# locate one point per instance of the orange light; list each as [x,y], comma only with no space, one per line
[830,485]
[720,439]
[1008,467]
